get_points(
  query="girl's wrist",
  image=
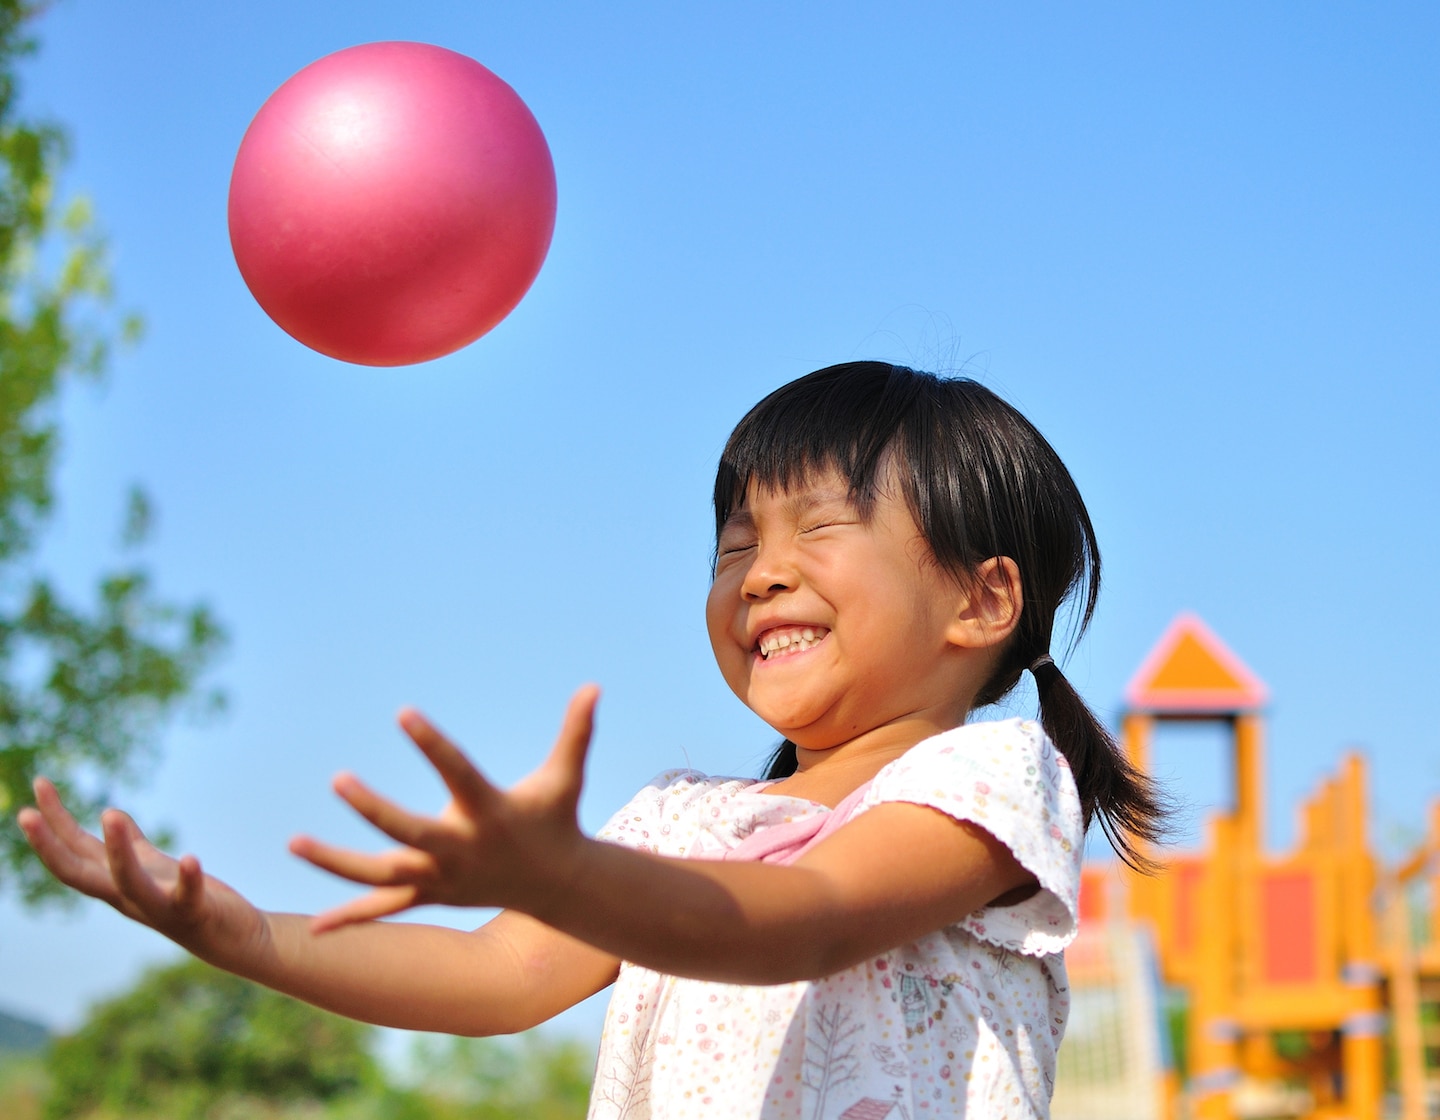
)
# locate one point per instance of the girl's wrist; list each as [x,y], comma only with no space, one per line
[252,953]
[551,892]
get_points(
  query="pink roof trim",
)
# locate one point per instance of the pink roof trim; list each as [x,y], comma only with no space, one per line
[1139,693]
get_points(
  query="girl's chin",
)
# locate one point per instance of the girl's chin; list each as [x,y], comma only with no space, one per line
[793,722]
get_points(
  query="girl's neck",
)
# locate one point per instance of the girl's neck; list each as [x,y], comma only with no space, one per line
[829,775]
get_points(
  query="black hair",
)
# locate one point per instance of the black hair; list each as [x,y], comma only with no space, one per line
[981,482]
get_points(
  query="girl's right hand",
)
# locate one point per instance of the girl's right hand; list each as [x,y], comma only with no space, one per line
[173,897]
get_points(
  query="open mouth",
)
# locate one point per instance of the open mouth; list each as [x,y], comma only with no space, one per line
[786,641]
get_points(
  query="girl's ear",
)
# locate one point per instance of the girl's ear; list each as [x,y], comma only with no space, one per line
[988,609]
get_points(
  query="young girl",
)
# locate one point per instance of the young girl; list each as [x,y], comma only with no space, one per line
[875,929]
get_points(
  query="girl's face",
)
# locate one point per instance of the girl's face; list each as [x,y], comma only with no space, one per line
[828,625]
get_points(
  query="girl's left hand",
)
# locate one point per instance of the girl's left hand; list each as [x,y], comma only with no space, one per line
[489,847]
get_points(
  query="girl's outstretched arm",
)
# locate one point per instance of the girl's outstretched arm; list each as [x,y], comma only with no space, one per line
[507,976]
[860,892]
[889,877]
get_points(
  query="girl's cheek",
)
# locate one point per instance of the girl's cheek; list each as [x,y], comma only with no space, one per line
[719,619]
[724,597]
[712,609]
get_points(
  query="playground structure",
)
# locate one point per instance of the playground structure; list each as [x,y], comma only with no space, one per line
[1307,982]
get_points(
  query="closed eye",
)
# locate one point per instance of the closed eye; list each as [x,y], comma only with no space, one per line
[736,538]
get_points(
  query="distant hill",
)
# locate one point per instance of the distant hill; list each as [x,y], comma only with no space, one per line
[21,1036]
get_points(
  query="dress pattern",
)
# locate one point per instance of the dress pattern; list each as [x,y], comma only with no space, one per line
[962,1022]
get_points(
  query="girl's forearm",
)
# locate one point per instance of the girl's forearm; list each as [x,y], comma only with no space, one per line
[507,976]
[741,923]
[393,974]
[753,923]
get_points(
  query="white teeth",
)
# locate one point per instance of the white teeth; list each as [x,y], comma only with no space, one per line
[785,642]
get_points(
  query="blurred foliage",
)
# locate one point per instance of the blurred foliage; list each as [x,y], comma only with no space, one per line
[190,1042]
[1176,1014]
[83,689]
[189,1036]
[23,1086]
[489,1079]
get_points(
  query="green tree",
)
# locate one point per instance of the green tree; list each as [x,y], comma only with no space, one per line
[190,1041]
[83,688]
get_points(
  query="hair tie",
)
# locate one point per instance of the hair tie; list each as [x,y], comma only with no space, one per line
[1045,671]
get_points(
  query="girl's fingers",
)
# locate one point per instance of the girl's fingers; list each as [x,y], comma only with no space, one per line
[65,827]
[74,856]
[388,870]
[466,784]
[90,876]
[134,883]
[377,904]
[389,818]
[567,758]
[189,886]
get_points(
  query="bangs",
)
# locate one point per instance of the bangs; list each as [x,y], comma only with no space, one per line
[843,418]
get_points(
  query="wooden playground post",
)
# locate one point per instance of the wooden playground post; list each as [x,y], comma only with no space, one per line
[1413,968]
[1214,1031]
[1362,1048]
[1357,868]
[1249,782]
[1434,938]
[1136,731]
[1405,1003]
[1363,1038]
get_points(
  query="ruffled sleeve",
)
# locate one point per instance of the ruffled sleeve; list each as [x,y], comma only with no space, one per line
[1008,778]
[667,815]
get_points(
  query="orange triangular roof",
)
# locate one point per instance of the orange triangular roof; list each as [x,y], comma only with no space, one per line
[1190,670]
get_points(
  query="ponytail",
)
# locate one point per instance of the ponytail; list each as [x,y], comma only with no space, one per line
[1124,800]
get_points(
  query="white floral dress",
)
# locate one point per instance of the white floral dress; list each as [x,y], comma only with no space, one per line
[963,1022]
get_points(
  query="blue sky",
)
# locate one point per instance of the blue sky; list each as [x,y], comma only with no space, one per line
[1198,246]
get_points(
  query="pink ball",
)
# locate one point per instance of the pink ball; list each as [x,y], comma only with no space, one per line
[391,203]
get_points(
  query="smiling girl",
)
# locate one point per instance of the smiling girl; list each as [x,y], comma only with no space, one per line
[873,930]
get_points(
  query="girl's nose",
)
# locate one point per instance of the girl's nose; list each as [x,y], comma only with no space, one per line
[768,575]
[757,593]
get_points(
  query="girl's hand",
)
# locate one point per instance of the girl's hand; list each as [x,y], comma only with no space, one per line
[487,848]
[173,897]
